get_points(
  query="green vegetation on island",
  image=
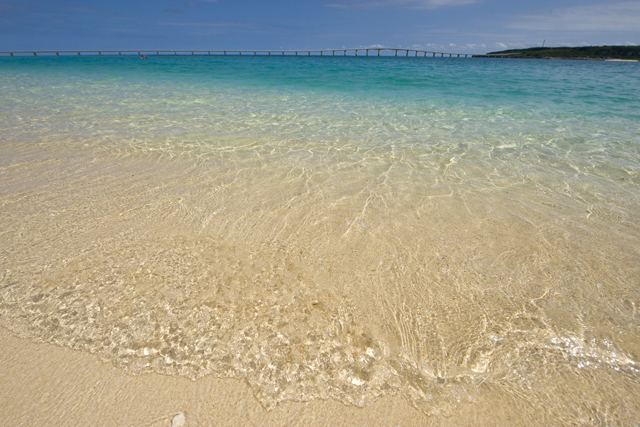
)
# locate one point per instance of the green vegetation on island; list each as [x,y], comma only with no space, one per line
[585,52]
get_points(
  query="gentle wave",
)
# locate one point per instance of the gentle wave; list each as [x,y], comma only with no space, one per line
[445,230]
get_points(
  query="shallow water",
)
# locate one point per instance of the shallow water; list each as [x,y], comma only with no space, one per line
[348,228]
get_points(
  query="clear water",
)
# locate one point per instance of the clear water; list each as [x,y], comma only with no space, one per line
[448,230]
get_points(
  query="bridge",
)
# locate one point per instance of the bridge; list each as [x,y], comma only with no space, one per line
[308,52]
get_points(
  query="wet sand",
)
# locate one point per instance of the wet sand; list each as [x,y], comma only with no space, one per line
[507,305]
[46,385]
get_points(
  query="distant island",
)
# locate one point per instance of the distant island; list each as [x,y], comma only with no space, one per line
[585,52]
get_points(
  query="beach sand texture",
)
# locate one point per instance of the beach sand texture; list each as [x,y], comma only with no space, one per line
[134,227]
[45,385]
[317,257]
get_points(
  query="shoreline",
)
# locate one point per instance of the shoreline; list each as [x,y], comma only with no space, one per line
[43,384]
[243,255]
[50,384]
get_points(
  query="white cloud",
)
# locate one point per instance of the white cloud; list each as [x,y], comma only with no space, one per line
[622,16]
[501,45]
[400,4]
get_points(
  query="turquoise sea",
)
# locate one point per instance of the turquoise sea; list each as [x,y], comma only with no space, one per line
[449,230]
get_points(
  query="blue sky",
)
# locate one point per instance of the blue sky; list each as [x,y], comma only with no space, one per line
[466,26]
